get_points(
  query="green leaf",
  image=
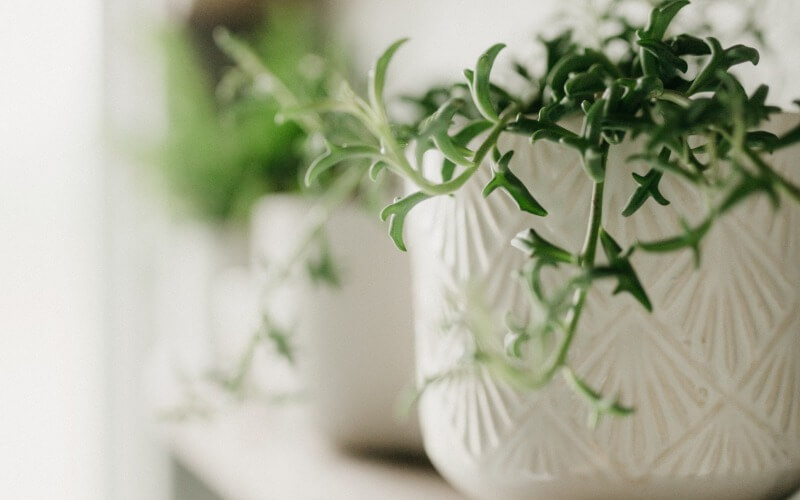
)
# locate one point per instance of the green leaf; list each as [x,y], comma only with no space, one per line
[594,162]
[789,138]
[376,168]
[585,85]
[377,78]
[689,45]
[536,247]
[281,342]
[648,187]
[336,155]
[480,86]
[761,140]
[690,238]
[576,63]
[323,269]
[527,126]
[593,122]
[664,55]
[463,138]
[661,17]
[645,87]
[620,267]
[505,179]
[599,405]
[721,60]
[434,131]
[397,212]
[747,185]
[739,54]
[662,165]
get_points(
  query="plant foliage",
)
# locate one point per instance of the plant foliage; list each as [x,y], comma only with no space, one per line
[697,125]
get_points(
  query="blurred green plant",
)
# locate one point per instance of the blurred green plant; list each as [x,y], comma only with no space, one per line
[224,147]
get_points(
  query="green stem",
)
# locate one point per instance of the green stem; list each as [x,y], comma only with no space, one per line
[675,97]
[587,258]
[790,188]
[480,154]
[343,188]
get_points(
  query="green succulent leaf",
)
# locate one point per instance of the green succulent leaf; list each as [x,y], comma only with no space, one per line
[748,185]
[667,59]
[585,85]
[434,132]
[281,341]
[619,266]
[599,405]
[648,188]
[323,270]
[480,85]
[576,63]
[376,168]
[789,138]
[536,247]
[593,122]
[594,162]
[503,178]
[462,138]
[685,44]
[690,238]
[658,163]
[397,212]
[377,79]
[721,60]
[539,130]
[661,17]
[336,155]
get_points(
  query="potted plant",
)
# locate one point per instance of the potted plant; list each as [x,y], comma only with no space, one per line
[637,260]
[234,161]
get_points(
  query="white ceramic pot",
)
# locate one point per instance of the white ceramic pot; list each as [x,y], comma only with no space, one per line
[355,342]
[714,371]
[190,256]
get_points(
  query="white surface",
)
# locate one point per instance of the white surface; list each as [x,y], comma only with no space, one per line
[136,229]
[258,453]
[51,377]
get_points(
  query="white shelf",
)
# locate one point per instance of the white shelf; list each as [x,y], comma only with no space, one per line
[258,453]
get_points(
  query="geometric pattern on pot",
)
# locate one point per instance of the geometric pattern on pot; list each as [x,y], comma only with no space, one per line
[714,372]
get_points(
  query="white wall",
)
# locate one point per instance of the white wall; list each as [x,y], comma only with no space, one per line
[51,378]
[135,120]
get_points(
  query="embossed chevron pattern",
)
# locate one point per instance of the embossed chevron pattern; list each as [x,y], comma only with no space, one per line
[631,357]
[714,372]
[774,385]
[728,440]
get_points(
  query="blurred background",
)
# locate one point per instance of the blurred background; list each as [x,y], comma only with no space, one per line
[130,167]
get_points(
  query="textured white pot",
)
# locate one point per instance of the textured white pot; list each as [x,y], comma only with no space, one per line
[714,372]
[355,342]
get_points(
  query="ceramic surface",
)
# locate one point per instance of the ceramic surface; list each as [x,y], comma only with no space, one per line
[714,371]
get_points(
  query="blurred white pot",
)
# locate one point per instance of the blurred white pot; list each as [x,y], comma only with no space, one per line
[714,371]
[356,341]
[191,255]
